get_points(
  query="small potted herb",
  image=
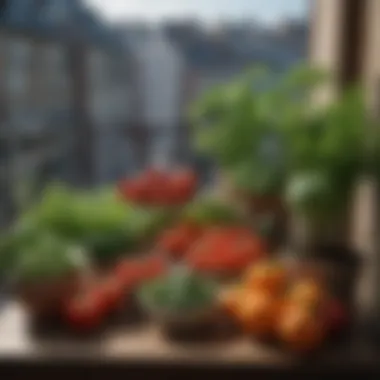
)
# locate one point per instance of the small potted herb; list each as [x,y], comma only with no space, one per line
[181,301]
[47,272]
[242,126]
[327,156]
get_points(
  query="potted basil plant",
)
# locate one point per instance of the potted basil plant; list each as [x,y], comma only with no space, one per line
[242,126]
[327,159]
[327,156]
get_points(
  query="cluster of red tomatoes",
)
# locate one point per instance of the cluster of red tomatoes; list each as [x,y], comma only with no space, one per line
[223,250]
[157,187]
[91,306]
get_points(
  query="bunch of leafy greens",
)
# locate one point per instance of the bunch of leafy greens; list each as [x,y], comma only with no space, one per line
[97,221]
[180,291]
[243,125]
[327,155]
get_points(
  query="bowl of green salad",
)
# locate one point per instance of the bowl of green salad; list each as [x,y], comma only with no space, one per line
[181,301]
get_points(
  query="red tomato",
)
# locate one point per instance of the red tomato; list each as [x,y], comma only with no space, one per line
[112,292]
[85,312]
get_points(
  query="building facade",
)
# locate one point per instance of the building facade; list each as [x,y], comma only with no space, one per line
[36,107]
[109,111]
[64,87]
[158,90]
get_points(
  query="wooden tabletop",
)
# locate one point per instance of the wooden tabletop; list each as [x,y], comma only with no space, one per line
[144,343]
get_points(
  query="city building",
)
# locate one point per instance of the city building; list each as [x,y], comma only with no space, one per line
[158,91]
[36,100]
[64,87]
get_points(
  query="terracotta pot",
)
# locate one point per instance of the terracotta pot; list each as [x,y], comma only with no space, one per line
[44,299]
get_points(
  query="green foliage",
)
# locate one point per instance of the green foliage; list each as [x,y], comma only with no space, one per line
[327,154]
[97,221]
[47,257]
[232,122]
[180,291]
[331,143]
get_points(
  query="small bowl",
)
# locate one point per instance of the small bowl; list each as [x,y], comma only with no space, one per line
[195,325]
[182,323]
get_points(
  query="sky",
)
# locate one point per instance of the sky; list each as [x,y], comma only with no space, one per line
[267,11]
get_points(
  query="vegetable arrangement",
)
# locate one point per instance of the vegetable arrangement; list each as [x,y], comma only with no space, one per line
[212,237]
[56,247]
[59,239]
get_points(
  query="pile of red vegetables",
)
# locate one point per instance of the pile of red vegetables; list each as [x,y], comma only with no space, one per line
[98,299]
[215,250]
[158,187]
